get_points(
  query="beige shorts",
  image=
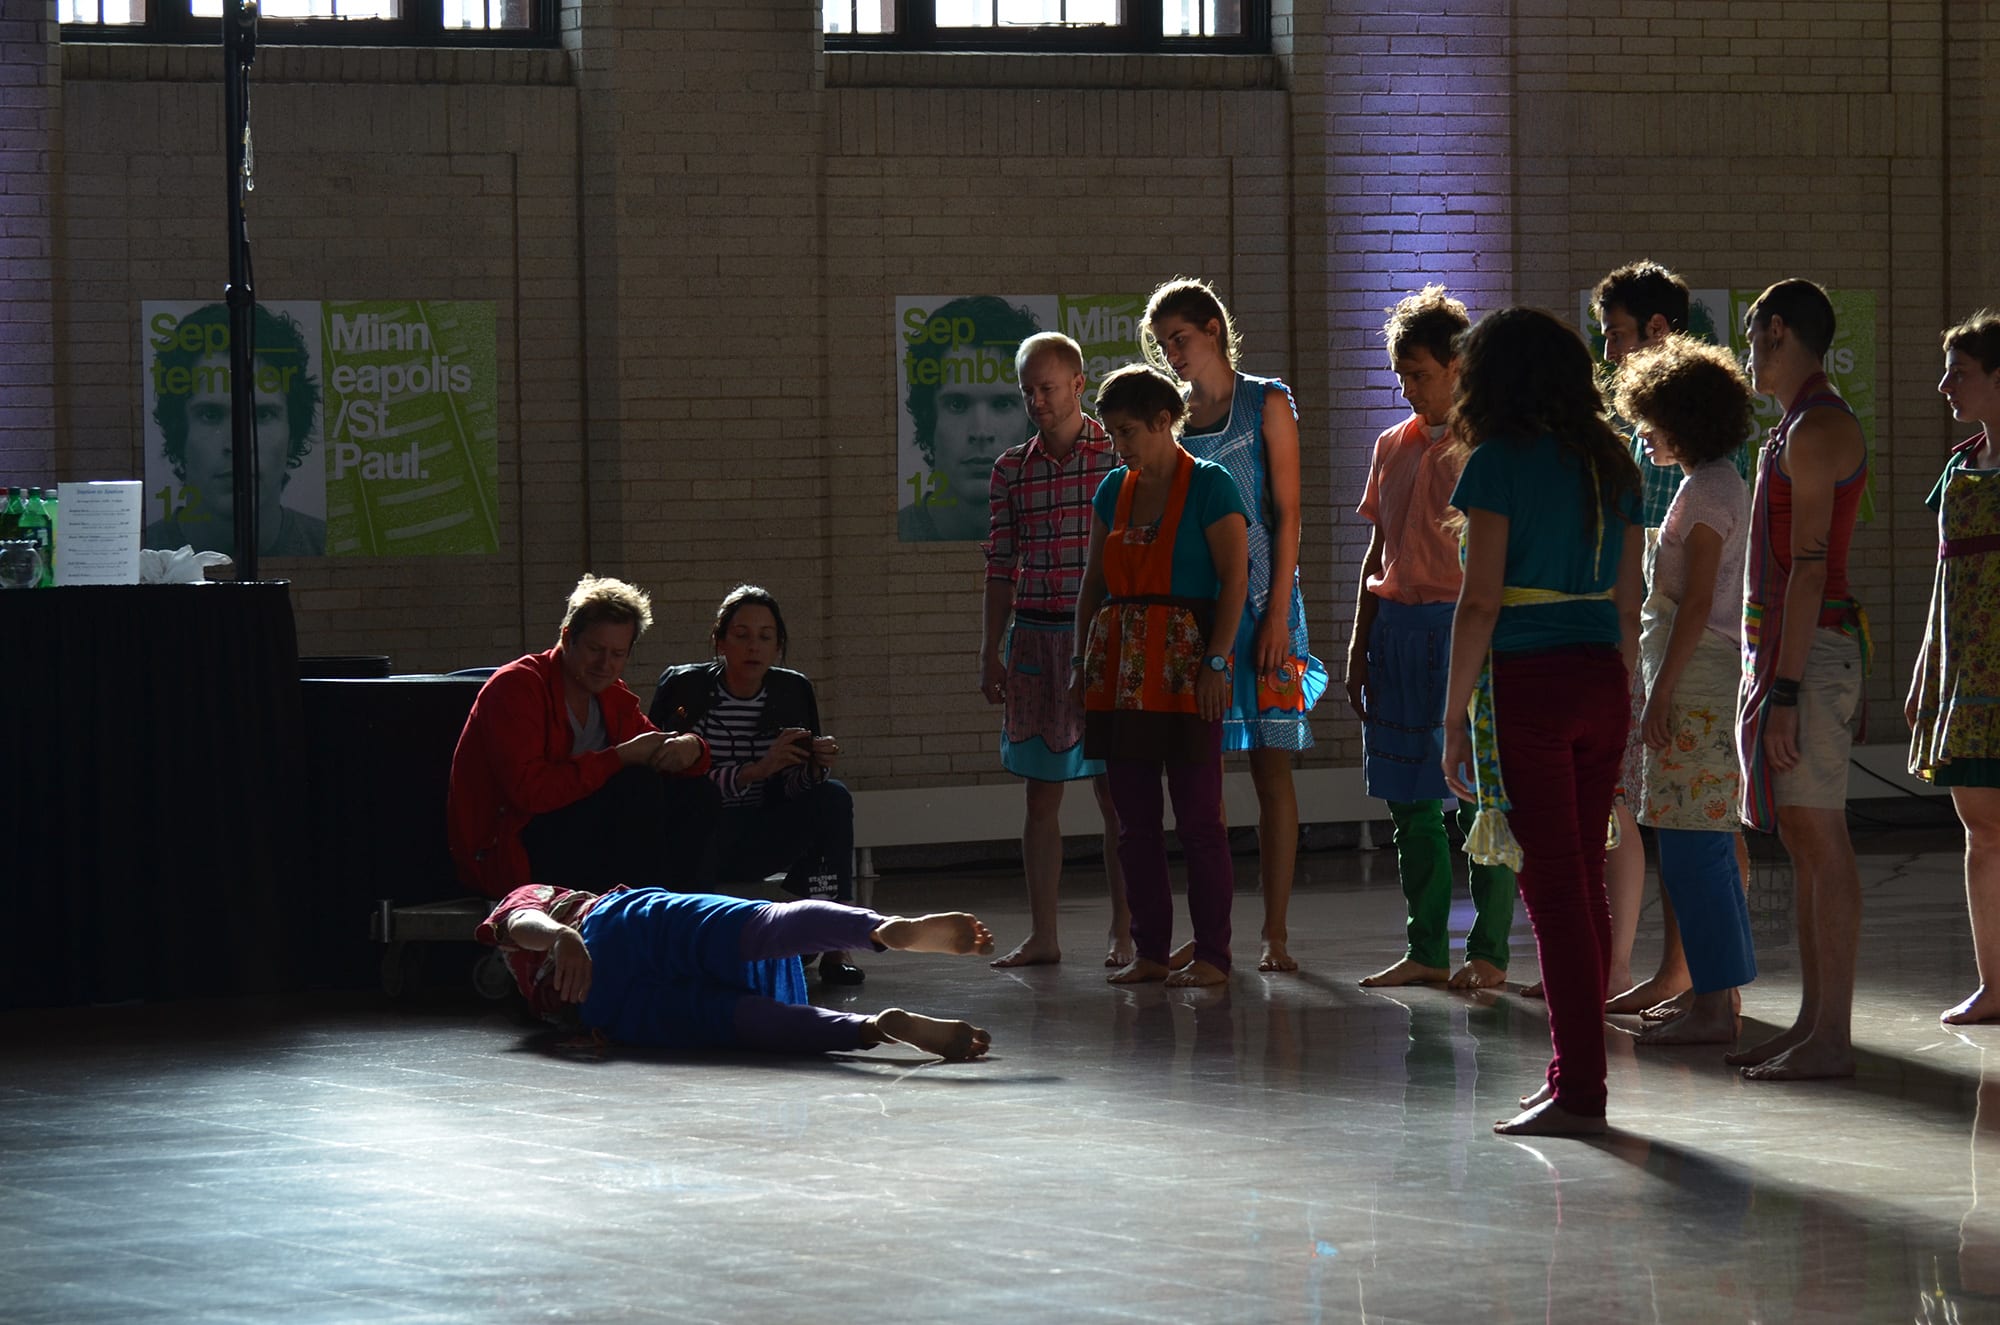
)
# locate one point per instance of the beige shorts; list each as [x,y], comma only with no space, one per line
[1829,700]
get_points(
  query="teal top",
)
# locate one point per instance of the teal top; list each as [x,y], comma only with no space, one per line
[1552,542]
[1211,495]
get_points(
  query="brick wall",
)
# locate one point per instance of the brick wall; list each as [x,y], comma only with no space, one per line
[728,213]
[30,161]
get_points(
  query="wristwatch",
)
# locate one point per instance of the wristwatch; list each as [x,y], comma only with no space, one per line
[1217,663]
[1076,660]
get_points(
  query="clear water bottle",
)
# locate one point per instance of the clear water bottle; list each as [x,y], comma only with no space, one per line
[34,526]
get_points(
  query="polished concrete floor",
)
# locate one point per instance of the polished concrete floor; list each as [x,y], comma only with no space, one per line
[1290,1148]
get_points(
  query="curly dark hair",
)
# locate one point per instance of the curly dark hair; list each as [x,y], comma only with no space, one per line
[1524,374]
[1141,391]
[1643,289]
[999,326]
[1691,391]
[280,348]
[1430,320]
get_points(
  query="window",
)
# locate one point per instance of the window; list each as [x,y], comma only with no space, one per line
[1056,25]
[319,22]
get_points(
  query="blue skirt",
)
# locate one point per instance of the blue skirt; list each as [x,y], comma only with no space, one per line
[666,969]
[1248,725]
[1409,663]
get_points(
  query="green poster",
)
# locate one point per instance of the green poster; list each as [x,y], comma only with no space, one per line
[411,429]
[1106,327]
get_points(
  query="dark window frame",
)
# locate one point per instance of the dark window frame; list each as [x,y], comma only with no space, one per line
[172,23]
[1139,34]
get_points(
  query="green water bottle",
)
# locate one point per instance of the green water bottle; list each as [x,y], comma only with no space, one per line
[35,525]
[10,514]
[50,505]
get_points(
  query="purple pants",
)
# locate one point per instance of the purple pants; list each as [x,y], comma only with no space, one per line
[791,929]
[1560,718]
[1196,789]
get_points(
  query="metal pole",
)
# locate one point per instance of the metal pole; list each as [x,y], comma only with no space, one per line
[239,50]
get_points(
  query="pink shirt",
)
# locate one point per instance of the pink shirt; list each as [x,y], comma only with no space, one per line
[1408,498]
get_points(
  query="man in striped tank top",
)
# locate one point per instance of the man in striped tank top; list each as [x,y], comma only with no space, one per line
[1805,649]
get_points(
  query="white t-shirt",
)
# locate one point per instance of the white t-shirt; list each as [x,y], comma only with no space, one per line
[1714,495]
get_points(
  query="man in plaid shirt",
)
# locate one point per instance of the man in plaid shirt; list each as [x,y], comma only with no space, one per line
[1040,536]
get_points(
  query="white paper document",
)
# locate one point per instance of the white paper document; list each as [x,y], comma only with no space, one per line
[97,532]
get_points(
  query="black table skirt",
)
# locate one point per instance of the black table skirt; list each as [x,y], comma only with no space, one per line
[152,791]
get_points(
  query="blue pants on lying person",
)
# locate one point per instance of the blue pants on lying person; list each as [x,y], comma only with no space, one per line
[692,971]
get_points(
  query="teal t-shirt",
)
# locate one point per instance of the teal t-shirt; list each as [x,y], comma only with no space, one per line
[1551,541]
[1211,495]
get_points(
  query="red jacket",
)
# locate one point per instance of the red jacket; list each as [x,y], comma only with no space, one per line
[513,762]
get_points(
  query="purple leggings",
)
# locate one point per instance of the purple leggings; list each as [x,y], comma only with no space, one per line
[791,929]
[1142,849]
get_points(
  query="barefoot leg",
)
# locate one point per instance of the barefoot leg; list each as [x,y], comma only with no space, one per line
[1138,972]
[955,1040]
[1197,974]
[954,932]
[1710,1019]
[1118,950]
[1642,996]
[1277,852]
[1979,810]
[1478,974]
[1625,882]
[1550,1119]
[1405,972]
[1041,861]
[1829,885]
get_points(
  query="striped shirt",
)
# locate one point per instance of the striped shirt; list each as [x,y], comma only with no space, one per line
[1040,518]
[737,737]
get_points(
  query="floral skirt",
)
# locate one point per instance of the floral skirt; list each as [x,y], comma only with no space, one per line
[1696,783]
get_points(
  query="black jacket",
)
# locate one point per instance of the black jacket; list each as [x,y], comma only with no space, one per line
[686,693]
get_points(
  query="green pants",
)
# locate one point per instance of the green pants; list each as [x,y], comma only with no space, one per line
[1423,861]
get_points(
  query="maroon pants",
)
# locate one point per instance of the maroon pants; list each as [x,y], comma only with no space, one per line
[1142,850]
[1561,718]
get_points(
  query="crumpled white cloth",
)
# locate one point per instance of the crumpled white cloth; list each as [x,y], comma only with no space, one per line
[183,565]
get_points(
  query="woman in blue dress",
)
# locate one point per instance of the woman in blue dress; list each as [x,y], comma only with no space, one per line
[1250,426]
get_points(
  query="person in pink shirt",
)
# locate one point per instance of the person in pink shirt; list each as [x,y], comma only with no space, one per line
[1401,649]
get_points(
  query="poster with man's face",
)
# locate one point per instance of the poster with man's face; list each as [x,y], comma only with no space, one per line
[959,404]
[190,467]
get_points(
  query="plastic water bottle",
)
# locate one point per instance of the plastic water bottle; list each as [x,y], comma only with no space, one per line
[10,514]
[34,524]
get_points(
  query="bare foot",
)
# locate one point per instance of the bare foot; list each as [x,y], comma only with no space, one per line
[1276,957]
[956,1040]
[1768,1049]
[1533,991]
[1197,974]
[1118,949]
[1808,1060]
[1182,955]
[1139,971]
[1031,952]
[953,932]
[1676,1006]
[1642,996]
[1550,1119]
[1478,974]
[1542,1096]
[1709,1019]
[1984,1005]
[1405,972]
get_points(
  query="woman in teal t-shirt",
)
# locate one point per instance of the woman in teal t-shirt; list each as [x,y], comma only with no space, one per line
[1553,583]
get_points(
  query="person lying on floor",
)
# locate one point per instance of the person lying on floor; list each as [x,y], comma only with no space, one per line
[684,971]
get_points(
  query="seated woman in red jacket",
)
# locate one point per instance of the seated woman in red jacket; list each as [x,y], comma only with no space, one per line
[556,778]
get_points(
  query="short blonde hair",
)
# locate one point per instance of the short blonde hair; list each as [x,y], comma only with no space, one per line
[1052,343]
[600,599]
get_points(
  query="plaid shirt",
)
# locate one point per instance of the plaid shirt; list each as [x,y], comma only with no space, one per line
[1041,518]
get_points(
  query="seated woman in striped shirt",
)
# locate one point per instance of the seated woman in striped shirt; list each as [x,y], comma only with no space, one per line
[781,807]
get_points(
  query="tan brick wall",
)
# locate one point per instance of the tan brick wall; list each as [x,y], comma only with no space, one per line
[30,159]
[729,213]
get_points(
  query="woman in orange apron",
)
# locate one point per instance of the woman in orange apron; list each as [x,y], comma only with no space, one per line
[1161,597]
